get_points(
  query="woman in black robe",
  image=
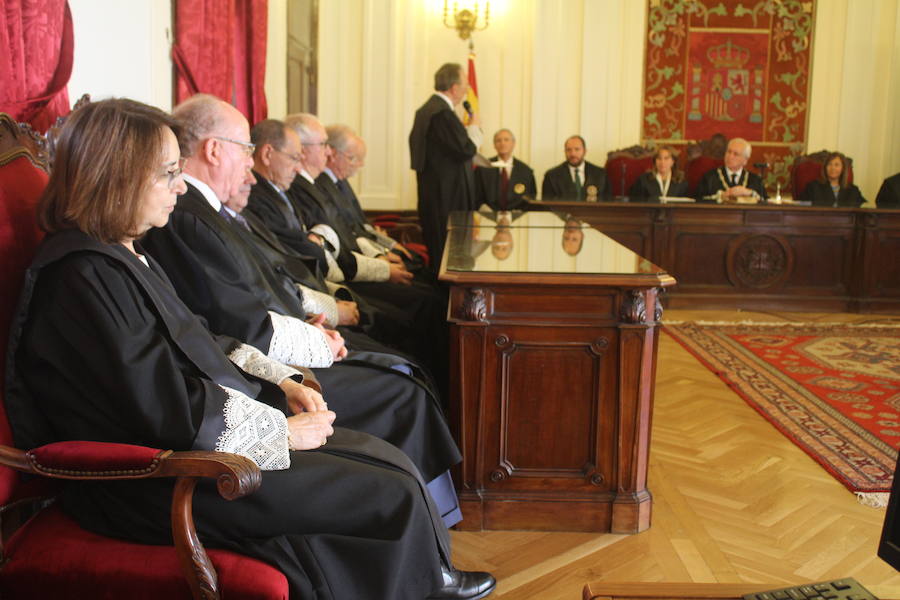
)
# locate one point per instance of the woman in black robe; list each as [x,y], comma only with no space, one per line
[102,349]
[661,180]
[833,188]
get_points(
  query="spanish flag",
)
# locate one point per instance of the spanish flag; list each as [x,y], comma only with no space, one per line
[472,94]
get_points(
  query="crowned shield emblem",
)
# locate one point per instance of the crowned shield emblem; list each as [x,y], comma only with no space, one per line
[591,190]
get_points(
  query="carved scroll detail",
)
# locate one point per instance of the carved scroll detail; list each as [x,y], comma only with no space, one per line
[474,306]
[633,309]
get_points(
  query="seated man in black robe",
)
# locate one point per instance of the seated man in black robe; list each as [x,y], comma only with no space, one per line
[220,277]
[889,193]
[348,156]
[509,183]
[732,181]
[147,372]
[378,280]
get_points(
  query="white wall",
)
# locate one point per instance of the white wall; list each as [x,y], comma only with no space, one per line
[122,49]
[551,68]
[546,69]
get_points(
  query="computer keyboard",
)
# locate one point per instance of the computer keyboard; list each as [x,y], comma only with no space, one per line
[839,589]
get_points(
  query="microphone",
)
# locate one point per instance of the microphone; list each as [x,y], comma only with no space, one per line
[468,108]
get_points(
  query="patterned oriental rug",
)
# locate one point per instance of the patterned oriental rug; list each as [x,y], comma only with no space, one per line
[833,389]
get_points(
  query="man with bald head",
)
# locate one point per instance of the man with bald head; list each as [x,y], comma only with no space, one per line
[576,178]
[732,180]
[223,278]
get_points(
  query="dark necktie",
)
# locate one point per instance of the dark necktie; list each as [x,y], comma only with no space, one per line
[578,184]
[242,221]
[504,188]
[224,212]
[734,179]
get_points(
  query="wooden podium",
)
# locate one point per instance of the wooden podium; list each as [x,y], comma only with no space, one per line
[554,332]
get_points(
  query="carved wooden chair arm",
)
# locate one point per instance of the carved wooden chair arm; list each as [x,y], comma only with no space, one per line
[235,476]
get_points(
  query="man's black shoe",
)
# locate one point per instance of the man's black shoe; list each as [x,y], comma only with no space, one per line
[464,585]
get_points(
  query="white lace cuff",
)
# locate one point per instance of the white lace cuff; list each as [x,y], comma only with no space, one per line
[330,236]
[316,302]
[255,430]
[369,248]
[371,269]
[297,343]
[334,270]
[253,361]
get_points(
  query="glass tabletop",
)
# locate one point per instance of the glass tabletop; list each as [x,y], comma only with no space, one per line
[536,242]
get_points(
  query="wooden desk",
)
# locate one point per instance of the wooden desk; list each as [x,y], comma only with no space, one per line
[553,354]
[692,591]
[760,256]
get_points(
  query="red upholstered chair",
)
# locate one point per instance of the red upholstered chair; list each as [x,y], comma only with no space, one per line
[623,167]
[697,167]
[50,556]
[808,168]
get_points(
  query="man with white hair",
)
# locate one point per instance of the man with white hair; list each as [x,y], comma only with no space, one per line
[328,530]
[732,180]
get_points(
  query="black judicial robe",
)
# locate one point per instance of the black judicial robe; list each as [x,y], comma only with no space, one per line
[441,154]
[559,185]
[380,321]
[215,276]
[102,349]
[647,189]
[284,221]
[424,333]
[717,179]
[820,194]
[889,193]
[520,189]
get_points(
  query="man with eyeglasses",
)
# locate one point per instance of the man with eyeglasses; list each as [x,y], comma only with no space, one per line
[221,277]
[347,157]
[375,279]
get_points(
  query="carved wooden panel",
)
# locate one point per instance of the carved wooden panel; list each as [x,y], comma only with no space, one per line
[758,260]
[537,433]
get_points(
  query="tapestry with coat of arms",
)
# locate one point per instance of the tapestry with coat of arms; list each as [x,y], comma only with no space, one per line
[733,67]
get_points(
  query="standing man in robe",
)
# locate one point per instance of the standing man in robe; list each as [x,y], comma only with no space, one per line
[441,149]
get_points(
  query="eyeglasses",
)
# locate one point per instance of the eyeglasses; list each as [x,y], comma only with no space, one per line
[173,175]
[294,157]
[249,147]
[323,144]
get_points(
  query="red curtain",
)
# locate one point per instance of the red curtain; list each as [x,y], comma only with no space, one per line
[220,49]
[36,66]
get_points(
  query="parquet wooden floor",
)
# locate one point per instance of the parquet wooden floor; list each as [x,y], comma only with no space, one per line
[734,501]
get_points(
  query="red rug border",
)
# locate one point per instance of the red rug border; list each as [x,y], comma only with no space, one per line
[752,404]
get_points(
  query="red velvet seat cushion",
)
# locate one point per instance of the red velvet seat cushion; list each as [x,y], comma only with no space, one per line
[697,168]
[52,557]
[633,169]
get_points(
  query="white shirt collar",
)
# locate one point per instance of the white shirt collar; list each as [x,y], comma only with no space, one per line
[579,168]
[230,212]
[307,177]
[205,190]
[730,172]
[446,99]
[331,174]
